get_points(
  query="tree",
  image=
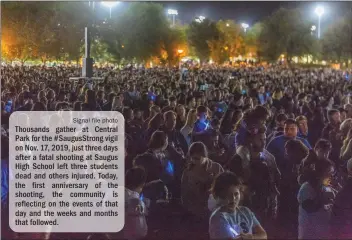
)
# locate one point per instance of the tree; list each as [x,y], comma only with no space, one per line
[199,34]
[229,43]
[44,30]
[285,32]
[19,29]
[174,40]
[337,41]
[147,26]
[251,39]
[70,30]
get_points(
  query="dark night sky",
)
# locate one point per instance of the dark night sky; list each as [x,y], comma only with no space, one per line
[252,11]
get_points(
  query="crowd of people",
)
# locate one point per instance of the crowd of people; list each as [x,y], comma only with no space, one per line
[215,153]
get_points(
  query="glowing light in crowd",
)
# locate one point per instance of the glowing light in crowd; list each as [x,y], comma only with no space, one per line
[170,168]
[180,51]
[319,11]
[245,26]
[233,231]
[227,25]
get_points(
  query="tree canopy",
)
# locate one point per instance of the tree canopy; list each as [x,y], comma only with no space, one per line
[55,31]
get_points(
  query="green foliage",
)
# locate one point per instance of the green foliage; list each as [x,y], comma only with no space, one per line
[285,32]
[175,38]
[337,40]
[199,34]
[229,43]
[142,28]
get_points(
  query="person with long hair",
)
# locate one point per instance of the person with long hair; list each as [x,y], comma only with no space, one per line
[90,103]
[320,152]
[226,126]
[186,130]
[346,150]
[153,110]
[152,160]
[230,220]
[154,124]
[197,179]
[181,116]
[315,199]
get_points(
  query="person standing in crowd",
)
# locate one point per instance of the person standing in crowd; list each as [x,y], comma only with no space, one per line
[202,123]
[302,123]
[277,146]
[315,199]
[197,179]
[321,152]
[348,108]
[108,105]
[90,103]
[341,219]
[316,124]
[332,133]
[228,92]
[250,122]
[187,129]
[135,209]
[175,137]
[229,220]
[346,150]
[154,125]
[181,116]
[279,128]
[260,175]
[153,160]
[153,110]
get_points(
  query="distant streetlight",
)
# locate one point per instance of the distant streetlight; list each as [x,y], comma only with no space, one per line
[319,11]
[174,13]
[110,5]
[200,19]
[245,26]
[227,25]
